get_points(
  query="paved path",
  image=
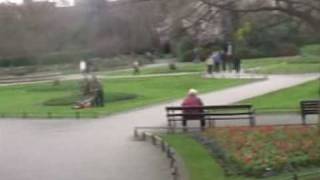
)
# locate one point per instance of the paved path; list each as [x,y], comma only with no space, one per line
[102,149]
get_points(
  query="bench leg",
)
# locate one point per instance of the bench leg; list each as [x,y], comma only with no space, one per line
[304,119]
[184,125]
[203,124]
[212,123]
[171,126]
[252,121]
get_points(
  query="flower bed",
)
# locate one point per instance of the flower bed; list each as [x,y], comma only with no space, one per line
[265,151]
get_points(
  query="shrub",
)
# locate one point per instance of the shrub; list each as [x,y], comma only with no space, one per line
[265,151]
[286,49]
[63,57]
[16,61]
[185,49]
[21,71]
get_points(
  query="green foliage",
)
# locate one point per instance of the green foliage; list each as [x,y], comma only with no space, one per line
[16,61]
[46,59]
[309,62]
[63,57]
[185,49]
[266,150]
[243,32]
[311,50]
[253,40]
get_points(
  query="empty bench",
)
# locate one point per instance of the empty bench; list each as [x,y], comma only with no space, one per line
[209,113]
[309,107]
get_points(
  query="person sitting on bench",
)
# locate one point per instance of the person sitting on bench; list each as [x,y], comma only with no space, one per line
[192,100]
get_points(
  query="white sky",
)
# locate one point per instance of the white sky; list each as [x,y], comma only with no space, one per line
[20,1]
[58,1]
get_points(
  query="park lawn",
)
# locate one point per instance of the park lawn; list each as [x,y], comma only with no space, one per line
[30,98]
[287,65]
[311,50]
[200,164]
[307,62]
[287,99]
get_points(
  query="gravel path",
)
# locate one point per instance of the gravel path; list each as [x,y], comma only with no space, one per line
[103,149]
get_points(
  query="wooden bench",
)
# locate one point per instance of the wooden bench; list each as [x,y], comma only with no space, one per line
[210,113]
[309,107]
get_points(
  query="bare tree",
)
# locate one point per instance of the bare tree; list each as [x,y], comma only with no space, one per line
[306,10]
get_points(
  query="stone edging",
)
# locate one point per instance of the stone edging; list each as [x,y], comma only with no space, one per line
[175,162]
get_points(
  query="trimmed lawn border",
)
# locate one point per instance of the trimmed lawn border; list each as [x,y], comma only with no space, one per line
[285,100]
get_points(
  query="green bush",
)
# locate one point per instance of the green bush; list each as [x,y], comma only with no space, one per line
[47,59]
[63,57]
[313,50]
[270,50]
[185,49]
[21,71]
[16,61]
[286,49]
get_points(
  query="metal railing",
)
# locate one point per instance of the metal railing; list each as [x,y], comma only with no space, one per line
[163,145]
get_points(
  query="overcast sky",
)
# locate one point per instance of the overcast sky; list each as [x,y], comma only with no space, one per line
[58,1]
[20,1]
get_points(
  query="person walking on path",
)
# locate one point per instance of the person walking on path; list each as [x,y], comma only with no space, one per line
[192,100]
[237,64]
[136,67]
[209,63]
[217,58]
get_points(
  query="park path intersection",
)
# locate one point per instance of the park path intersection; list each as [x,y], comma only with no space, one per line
[104,149]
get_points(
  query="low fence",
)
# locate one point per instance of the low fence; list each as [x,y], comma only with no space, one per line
[143,133]
[163,145]
[50,115]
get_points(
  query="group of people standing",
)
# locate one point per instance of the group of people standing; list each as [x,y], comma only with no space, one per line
[223,60]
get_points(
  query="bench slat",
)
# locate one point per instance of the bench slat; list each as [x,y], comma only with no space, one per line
[210,107]
[210,113]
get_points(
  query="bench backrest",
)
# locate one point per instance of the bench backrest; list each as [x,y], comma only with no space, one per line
[311,106]
[224,110]
[224,107]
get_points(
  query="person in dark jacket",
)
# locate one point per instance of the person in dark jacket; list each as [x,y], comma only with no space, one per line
[192,100]
[237,64]
[97,91]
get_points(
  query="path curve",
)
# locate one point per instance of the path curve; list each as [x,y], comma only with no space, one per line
[103,149]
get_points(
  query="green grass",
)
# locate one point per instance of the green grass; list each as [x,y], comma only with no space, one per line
[201,165]
[287,65]
[286,99]
[197,159]
[31,98]
[307,62]
[311,50]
